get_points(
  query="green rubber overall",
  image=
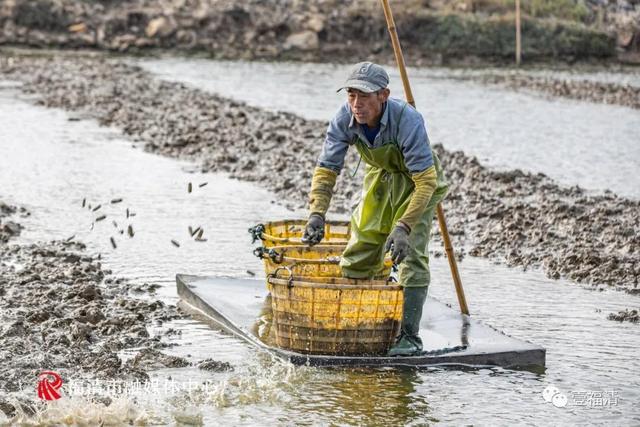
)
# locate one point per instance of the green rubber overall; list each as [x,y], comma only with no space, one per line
[386,193]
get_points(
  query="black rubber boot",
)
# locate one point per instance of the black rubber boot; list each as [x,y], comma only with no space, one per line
[409,342]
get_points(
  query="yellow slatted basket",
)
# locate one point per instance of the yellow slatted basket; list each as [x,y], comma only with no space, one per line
[334,316]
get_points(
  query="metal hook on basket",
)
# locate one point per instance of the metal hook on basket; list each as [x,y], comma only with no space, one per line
[256,232]
[392,276]
[274,275]
[275,256]
[259,252]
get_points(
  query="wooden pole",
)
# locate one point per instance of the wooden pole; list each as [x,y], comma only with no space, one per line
[397,50]
[518,35]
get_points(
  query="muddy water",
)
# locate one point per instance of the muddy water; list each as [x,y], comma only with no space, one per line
[594,146]
[49,163]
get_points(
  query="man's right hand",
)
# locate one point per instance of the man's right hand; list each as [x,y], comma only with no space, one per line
[398,243]
[314,230]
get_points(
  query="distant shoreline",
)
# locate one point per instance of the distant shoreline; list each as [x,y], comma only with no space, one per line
[311,31]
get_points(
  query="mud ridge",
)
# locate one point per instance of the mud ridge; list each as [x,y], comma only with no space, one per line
[584,90]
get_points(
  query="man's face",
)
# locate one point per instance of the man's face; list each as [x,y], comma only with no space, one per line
[367,107]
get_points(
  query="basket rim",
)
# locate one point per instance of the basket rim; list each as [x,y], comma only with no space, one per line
[323,247]
[328,253]
[302,221]
[295,241]
[304,282]
[334,259]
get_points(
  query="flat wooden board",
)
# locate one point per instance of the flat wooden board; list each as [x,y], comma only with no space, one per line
[450,338]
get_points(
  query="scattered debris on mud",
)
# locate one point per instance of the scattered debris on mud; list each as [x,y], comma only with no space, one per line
[627,315]
[153,359]
[215,366]
[524,219]
[9,229]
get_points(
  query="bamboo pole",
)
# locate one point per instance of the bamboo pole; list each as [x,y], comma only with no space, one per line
[518,35]
[397,50]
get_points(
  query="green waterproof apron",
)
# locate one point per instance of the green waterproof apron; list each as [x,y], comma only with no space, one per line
[386,193]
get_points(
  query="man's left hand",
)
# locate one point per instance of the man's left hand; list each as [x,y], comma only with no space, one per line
[398,243]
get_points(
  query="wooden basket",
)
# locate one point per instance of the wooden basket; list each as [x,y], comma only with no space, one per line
[334,316]
[315,261]
[289,232]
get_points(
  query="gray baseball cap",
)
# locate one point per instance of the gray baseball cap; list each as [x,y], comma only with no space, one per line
[366,77]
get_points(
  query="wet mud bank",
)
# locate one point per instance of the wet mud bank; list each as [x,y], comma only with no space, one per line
[583,90]
[61,311]
[519,218]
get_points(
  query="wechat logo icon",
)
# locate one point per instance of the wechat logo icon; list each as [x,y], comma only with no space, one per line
[553,395]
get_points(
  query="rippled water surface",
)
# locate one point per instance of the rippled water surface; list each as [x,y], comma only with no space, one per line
[49,164]
[594,146]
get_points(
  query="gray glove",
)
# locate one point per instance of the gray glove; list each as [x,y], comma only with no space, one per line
[398,244]
[314,231]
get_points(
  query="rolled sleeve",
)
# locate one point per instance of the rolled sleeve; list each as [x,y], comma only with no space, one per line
[414,142]
[336,144]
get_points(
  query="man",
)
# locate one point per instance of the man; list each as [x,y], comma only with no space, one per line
[403,184]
